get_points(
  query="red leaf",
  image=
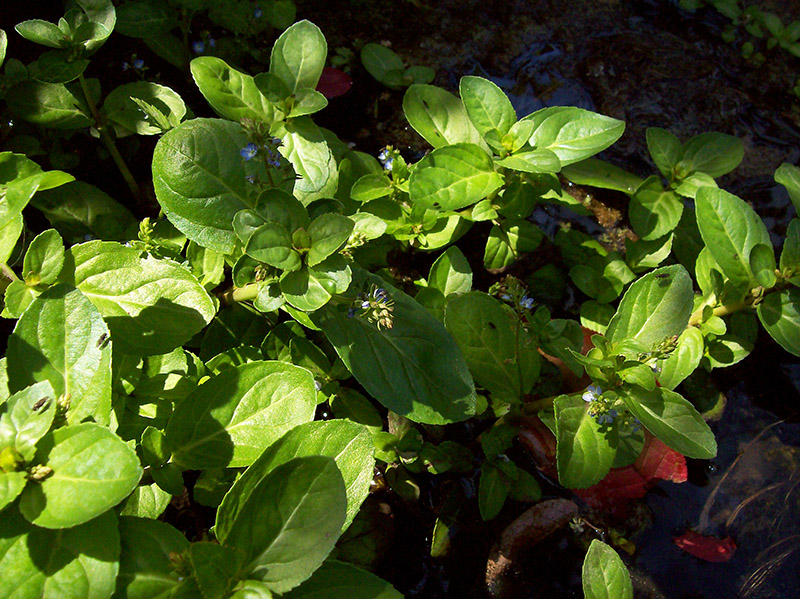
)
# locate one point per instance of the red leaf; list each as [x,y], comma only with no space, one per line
[710,549]
[620,486]
[659,461]
[334,83]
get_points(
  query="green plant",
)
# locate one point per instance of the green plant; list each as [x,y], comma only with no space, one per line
[205,340]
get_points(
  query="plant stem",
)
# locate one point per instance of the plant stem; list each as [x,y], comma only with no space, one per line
[109,143]
[723,310]
[239,294]
[7,272]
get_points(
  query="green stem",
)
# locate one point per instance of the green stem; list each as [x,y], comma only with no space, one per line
[109,143]
[239,294]
[7,272]
[723,310]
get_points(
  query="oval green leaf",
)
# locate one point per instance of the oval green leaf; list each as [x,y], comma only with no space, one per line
[780,315]
[348,443]
[438,116]
[230,419]
[655,307]
[290,522]
[93,470]
[76,563]
[673,420]
[585,450]
[151,305]
[487,106]
[341,580]
[604,576]
[233,95]
[63,339]
[298,56]
[414,368]
[453,177]
[200,180]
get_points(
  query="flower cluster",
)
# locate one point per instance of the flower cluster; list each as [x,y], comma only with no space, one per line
[258,13]
[137,64]
[376,305]
[386,157]
[251,150]
[599,408]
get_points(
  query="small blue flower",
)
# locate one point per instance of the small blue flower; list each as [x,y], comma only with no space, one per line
[526,302]
[258,12]
[317,385]
[593,393]
[383,155]
[138,64]
[274,162]
[249,151]
[505,297]
[125,66]
[656,369]
[251,179]
[388,164]
[198,47]
[351,313]
[212,42]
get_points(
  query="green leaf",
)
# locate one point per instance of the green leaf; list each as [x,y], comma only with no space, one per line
[215,567]
[654,211]
[146,569]
[714,154]
[689,186]
[88,461]
[438,116]
[56,66]
[493,490]
[453,177]
[151,305]
[48,104]
[62,338]
[328,233]
[664,148]
[272,244]
[11,485]
[762,264]
[604,576]
[199,180]
[305,148]
[42,32]
[44,258]
[143,18]
[451,273]
[341,580]
[501,358]
[573,133]
[654,307]
[169,47]
[147,501]
[3,46]
[25,417]
[383,64]
[307,101]
[487,106]
[76,563]
[230,419]
[673,420]
[730,229]
[232,94]
[78,209]
[683,360]
[598,173]
[780,315]
[508,241]
[585,450]
[121,107]
[790,254]
[789,176]
[290,521]
[371,187]
[348,443]
[298,56]
[643,255]
[533,161]
[414,368]
[309,289]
